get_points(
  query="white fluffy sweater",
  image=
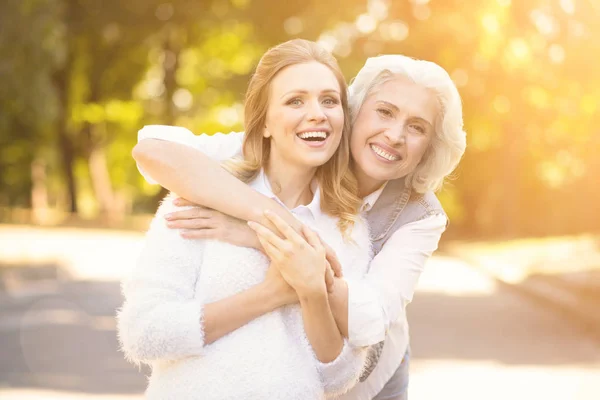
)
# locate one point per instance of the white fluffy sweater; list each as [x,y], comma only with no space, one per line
[160,322]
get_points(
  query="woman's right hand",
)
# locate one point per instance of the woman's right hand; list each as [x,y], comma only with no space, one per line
[205,223]
[283,290]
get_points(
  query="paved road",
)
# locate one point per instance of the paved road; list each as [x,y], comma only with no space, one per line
[471,340]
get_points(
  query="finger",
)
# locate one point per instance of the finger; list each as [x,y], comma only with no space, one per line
[269,236]
[198,223]
[181,202]
[271,251]
[286,230]
[199,234]
[331,257]
[329,281]
[196,212]
[312,238]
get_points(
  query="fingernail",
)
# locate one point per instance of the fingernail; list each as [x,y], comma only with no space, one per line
[251,224]
[268,213]
[177,202]
[168,217]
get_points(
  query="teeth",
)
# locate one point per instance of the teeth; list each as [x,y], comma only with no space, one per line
[316,134]
[384,154]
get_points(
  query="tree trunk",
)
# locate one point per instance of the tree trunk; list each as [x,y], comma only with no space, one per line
[62,82]
[111,207]
[171,50]
[511,181]
[39,191]
[66,148]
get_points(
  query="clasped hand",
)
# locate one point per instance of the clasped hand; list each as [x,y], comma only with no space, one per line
[300,257]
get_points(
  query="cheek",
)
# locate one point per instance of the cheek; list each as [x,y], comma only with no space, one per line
[336,119]
[355,146]
[358,140]
[419,149]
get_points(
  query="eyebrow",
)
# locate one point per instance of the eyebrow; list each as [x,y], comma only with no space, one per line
[395,108]
[299,91]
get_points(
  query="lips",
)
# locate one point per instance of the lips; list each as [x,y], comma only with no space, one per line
[385,153]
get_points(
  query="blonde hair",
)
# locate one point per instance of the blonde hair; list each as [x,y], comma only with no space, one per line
[449,142]
[338,185]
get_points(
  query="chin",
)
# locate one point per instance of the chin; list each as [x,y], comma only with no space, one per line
[380,174]
[316,160]
[316,163]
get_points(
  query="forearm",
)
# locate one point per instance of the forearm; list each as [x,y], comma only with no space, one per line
[227,315]
[338,303]
[197,178]
[320,326]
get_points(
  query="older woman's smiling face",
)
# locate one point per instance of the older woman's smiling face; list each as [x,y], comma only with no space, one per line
[392,131]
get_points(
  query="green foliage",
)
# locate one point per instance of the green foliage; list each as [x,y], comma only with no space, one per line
[80,77]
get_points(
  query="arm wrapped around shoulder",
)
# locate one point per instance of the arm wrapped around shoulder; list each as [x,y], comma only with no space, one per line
[162,315]
[341,374]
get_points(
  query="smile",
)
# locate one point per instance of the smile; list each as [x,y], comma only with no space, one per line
[384,154]
[314,136]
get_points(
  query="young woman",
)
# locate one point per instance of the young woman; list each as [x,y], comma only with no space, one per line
[407,137]
[181,311]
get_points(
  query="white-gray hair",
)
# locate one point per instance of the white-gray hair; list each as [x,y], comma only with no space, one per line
[449,142]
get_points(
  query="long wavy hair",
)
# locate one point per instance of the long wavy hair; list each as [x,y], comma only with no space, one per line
[338,185]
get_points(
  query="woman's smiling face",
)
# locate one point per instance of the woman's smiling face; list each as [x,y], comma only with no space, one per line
[392,131]
[305,118]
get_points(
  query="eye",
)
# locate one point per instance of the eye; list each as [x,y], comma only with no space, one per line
[331,101]
[417,128]
[294,102]
[385,112]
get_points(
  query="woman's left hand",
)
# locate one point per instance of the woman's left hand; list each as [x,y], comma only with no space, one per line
[204,223]
[301,260]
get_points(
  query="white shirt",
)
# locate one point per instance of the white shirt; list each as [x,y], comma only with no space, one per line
[161,320]
[377,302]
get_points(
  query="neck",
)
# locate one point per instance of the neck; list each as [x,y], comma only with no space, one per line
[290,183]
[366,184]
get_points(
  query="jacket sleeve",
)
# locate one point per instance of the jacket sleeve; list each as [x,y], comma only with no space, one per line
[379,298]
[161,317]
[219,146]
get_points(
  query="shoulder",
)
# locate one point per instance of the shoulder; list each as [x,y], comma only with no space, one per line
[427,203]
[159,231]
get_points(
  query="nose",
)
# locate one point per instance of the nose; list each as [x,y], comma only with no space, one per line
[315,112]
[396,134]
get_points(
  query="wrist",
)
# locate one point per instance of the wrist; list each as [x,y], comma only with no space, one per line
[273,294]
[314,292]
[279,293]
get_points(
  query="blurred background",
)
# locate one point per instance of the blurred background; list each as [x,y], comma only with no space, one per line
[512,295]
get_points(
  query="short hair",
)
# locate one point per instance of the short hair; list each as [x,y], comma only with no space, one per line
[449,142]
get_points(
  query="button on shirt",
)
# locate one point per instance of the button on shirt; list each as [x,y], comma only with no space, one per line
[376,303]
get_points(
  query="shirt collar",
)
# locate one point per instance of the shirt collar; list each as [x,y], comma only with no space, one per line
[370,200]
[262,185]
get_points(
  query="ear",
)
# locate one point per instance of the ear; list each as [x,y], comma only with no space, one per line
[266,133]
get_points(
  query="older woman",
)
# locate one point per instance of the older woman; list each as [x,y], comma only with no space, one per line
[407,138]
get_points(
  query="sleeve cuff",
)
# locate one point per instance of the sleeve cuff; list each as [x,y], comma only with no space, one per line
[341,374]
[366,320]
[191,329]
[167,333]
[175,134]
